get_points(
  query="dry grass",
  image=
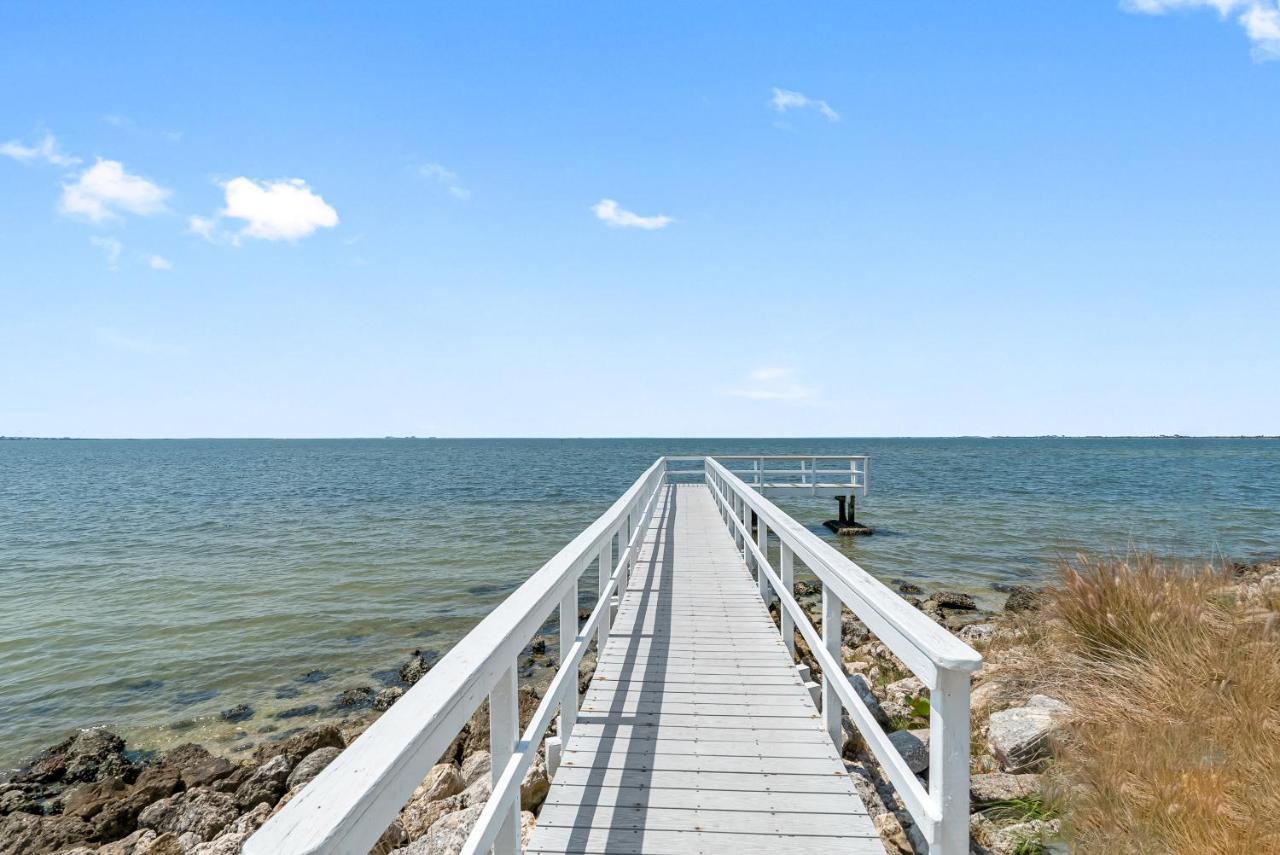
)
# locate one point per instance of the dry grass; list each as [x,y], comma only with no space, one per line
[1175,742]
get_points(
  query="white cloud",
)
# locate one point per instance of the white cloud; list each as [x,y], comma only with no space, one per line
[774,384]
[608,211]
[111,248]
[205,227]
[1260,19]
[446,177]
[785,99]
[46,151]
[285,209]
[105,189]
[159,262]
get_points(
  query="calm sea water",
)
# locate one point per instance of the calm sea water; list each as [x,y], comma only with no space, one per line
[150,584]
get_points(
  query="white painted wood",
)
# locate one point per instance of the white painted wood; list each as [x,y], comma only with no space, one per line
[949,763]
[831,638]
[605,572]
[762,543]
[568,637]
[787,624]
[504,731]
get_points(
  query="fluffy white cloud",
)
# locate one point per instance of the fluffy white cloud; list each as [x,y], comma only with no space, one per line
[105,189]
[773,384]
[608,211]
[286,209]
[111,248]
[46,151]
[785,99]
[159,262]
[447,178]
[1260,19]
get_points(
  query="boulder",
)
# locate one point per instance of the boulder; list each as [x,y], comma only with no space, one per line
[863,688]
[1002,787]
[23,833]
[231,840]
[134,843]
[913,745]
[425,806]
[310,766]
[536,783]
[202,811]
[1020,737]
[383,700]
[87,756]
[88,800]
[952,600]
[478,728]
[415,669]
[297,747]
[976,633]
[1023,599]
[238,713]
[892,834]
[475,767]
[360,696]
[267,783]
[196,767]
[1030,836]
[447,835]
[21,797]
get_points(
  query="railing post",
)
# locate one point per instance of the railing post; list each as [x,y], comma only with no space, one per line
[568,637]
[504,732]
[831,631]
[788,573]
[606,571]
[762,541]
[949,761]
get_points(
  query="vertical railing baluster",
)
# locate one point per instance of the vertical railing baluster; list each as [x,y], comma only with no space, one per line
[762,541]
[949,761]
[788,574]
[831,705]
[606,572]
[504,732]
[568,638]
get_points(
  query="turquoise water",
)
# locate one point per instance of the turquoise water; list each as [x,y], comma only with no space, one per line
[150,584]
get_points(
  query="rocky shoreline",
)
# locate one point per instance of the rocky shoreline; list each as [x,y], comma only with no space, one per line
[90,795]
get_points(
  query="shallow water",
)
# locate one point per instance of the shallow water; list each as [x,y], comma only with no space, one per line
[150,584]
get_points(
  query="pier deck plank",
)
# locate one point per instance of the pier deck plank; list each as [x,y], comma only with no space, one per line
[696,734]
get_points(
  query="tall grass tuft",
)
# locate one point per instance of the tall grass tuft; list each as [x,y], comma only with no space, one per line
[1174,746]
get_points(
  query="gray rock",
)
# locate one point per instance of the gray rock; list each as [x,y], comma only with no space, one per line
[952,600]
[475,767]
[976,633]
[1001,787]
[1020,737]
[202,811]
[21,833]
[297,747]
[240,712]
[310,766]
[415,669]
[267,783]
[385,698]
[447,835]
[913,745]
[1023,836]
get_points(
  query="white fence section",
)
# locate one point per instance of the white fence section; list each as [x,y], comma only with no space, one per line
[792,474]
[352,802]
[941,661]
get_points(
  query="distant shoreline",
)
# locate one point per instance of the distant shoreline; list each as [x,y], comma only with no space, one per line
[594,438]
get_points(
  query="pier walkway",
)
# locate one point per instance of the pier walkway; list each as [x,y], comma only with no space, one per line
[699,731]
[697,734]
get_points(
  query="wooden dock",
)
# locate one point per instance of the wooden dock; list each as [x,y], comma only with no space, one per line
[697,734]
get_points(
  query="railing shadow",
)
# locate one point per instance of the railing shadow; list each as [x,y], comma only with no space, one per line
[650,585]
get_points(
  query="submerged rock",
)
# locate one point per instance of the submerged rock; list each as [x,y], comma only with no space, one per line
[240,712]
[360,696]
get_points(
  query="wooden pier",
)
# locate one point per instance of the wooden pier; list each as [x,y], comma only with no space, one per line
[698,732]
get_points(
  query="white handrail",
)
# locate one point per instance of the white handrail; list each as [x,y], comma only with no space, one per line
[939,659]
[352,802]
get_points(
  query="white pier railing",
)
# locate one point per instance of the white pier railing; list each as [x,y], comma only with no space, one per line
[357,796]
[941,661]
[352,802]
[793,474]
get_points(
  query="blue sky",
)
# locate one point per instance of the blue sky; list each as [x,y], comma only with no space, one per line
[703,219]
